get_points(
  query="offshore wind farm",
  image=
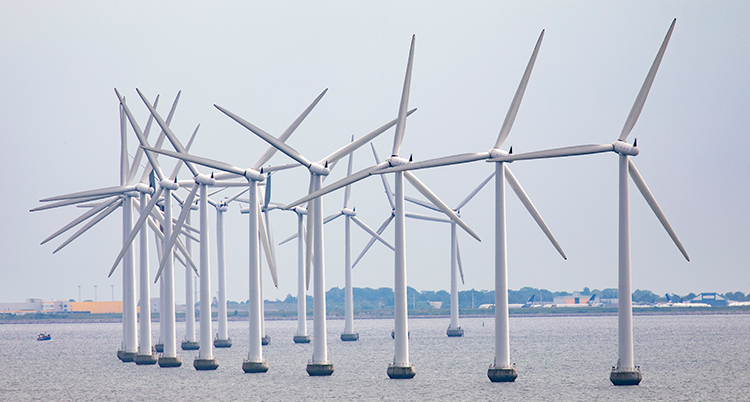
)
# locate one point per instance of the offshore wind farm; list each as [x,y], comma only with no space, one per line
[453,96]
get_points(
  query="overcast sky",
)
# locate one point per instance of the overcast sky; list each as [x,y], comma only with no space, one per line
[266,61]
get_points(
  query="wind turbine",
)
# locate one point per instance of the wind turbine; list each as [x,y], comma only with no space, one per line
[319,365]
[301,336]
[349,216]
[115,197]
[255,362]
[501,370]
[401,366]
[625,372]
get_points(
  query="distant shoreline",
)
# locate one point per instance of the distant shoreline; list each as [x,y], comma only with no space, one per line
[388,314]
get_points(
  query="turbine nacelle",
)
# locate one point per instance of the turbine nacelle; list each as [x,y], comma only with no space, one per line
[169,185]
[348,212]
[497,153]
[318,169]
[205,180]
[396,160]
[300,210]
[144,188]
[254,175]
[623,148]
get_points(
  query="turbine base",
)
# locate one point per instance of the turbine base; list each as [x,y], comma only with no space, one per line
[265,340]
[190,345]
[255,367]
[146,360]
[454,332]
[319,369]
[302,338]
[223,343]
[401,372]
[502,374]
[206,364]
[159,347]
[633,377]
[165,361]
[125,356]
[350,337]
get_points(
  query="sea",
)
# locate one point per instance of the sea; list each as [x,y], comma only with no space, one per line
[690,357]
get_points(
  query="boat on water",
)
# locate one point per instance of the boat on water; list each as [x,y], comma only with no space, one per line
[43,337]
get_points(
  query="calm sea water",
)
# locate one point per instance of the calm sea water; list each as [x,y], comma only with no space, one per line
[683,358]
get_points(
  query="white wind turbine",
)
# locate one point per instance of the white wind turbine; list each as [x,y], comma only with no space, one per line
[401,366]
[319,365]
[625,372]
[501,370]
[122,197]
[349,216]
[255,362]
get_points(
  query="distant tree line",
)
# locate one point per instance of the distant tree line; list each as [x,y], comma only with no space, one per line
[382,298]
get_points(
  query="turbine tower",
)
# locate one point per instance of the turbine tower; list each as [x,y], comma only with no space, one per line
[625,372]
[401,366]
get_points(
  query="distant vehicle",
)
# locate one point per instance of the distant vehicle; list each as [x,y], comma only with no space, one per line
[43,337]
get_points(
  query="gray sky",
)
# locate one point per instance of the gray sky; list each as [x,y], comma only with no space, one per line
[266,61]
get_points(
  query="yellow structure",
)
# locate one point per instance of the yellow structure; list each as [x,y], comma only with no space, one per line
[103,307]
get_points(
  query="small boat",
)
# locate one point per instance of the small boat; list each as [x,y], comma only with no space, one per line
[43,337]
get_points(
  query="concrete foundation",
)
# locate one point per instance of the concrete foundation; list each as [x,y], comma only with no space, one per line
[223,343]
[146,360]
[626,377]
[455,332]
[401,372]
[255,367]
[206,364]
[350,337]
[190,345]
[265,340]
[126,357]
[319,369]
[159,347]
[302,338]
[170,361]
[502,374]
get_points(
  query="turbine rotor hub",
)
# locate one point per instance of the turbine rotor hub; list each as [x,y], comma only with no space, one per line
[623,148]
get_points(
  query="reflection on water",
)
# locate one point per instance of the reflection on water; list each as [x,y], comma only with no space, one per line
[686,357]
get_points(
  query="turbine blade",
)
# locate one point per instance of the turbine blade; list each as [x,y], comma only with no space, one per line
[556,153]
[348,190]
[337,185]
[139,152]
[105,192]
[458,259]
[90,224]
[188,258]
[268,192]
[643,188]
[354,145]
[177,228]
[372,240]
[270,257]
[421,203]
[516,103]
[136,229]
[388,192]
[170,135]
[444,161]
[511,179]
[162,135]
[210,163]
[438,203]
[81,218]
[640,100]
[371,232]
[401,120]
[286,134]
[332,217]
[123,149]
[281,146]
[476,190]
[288,239]
[141,138]
[180,162]
[69,202]
[426,217]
